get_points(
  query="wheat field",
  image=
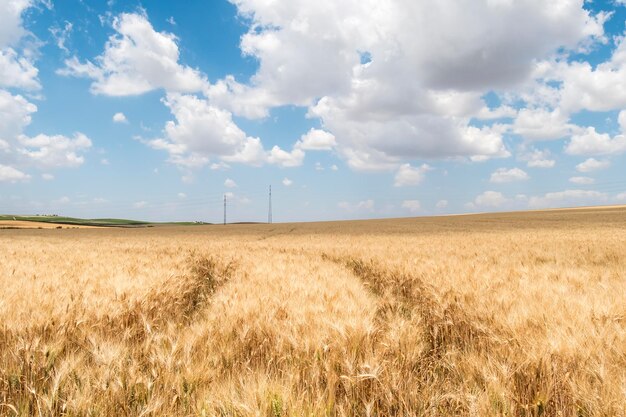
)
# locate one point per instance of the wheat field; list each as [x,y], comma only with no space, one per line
[512,314]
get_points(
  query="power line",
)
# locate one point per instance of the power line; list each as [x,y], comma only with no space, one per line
[269,215]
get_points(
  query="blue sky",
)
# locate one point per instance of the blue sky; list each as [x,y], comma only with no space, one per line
[360,109]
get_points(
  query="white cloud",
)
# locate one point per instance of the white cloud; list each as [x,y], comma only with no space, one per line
[317,140]
[538,159]
[441,204]
[238,98]
[182,196]
[287,182]
[15,113]
[508,175]
[581,180]
[47,177]
[42,151]
[621,196]
[104,161]
[379,141]
[140,204]
[567,198]
[541,163]
[11,30]
[54,151]
[120,118]
[541,124]
[229,183]
[365,205]
[334,167]
[427,67]
[250,152]
[61,35]
[621,119]
[412,205]
[17,69]
[408,175]
[309,49]
[591,142]
[137,59]
[233,198]
[602,88]
[282,158]
[219,166]
[491,199]
[592,164]
[10,174]
[202,131]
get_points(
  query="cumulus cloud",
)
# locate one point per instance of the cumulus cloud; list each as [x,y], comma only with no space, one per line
[591,142]
[541,124]
[408,175]
[592,164]
[381,141]
[621,119]
[567,198]
[42,151]
[508,175]
[466,47]
[280,157]
[287,182]
[389,81]
[202,131]
[11,30]
[17,69]
[582,180]
[120,118]
[412,205]
[441,204]
[426,68]
[229,183]
[489,199]
[137,59]
[20,152]
[54,151]
[602,88]
[317,140]
[10,174]
[537,158]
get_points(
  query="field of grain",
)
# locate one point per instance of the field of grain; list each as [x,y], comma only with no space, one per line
[513,314]
[20,224]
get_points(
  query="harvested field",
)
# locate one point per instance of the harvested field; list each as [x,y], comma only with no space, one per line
[19,224]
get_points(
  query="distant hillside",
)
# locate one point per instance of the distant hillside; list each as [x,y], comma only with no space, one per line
[76,221]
